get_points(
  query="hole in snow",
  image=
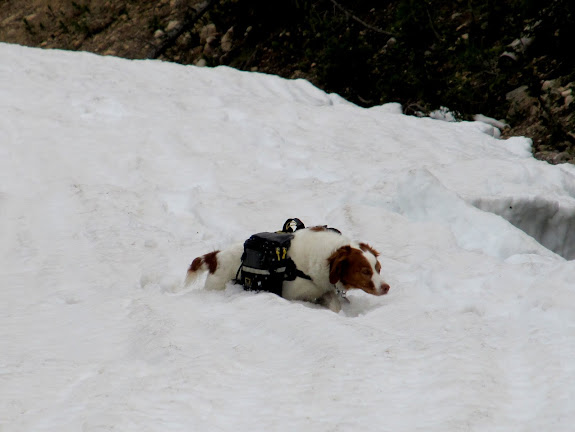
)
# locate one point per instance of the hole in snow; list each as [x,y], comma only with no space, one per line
[549,222]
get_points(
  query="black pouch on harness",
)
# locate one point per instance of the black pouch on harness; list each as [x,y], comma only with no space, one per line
[265,264]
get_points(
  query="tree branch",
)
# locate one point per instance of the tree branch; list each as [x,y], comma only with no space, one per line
[359,20]
[431,24]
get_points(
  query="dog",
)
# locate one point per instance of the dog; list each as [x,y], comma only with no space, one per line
[333,263]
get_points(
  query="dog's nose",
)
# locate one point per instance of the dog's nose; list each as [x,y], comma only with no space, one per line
[384,288]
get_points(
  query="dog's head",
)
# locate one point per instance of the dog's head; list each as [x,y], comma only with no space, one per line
[357,269]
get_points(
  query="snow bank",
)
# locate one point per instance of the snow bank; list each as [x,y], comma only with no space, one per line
[115,174]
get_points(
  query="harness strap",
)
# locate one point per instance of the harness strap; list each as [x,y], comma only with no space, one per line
[300,274]
[236,279]
[293,272]
[290,274]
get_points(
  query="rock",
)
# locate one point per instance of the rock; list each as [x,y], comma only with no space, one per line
[210,46]
[546,156]
[561,157]
[206,32]
[520,102]
[549,85]
[185,39]
[9,20]
[297,74]
[197,51]
[201,62]
[508,56]
[227,40]
[159,34]
[172,25]
[565,92]
[520,45]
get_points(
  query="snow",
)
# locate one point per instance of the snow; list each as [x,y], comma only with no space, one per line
[491,121]
[443,114]
[115,174]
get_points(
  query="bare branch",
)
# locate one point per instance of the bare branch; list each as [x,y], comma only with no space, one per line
[359,20]
[431,24]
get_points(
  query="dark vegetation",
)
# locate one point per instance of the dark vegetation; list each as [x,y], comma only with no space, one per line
[511,60]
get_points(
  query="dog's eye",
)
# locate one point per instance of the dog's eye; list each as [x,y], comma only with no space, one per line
[366,271]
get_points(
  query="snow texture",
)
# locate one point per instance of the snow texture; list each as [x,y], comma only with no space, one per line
[115,174]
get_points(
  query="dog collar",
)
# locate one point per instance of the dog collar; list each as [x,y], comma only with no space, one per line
[340,290]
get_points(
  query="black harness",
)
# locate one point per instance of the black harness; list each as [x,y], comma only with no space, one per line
[265,264]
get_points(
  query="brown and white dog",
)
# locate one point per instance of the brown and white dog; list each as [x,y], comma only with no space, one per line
[334,263]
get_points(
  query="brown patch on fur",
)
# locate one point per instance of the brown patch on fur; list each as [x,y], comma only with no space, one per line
[367,248]
[210,259]
[196,264]
[337,262]
[321,228]
[318,228]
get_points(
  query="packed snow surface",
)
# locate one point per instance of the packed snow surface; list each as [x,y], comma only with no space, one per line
[115,174]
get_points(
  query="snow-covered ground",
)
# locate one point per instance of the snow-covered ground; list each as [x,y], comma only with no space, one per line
[115,174]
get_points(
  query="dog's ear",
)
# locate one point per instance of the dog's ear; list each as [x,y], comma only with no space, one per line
[337,262]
